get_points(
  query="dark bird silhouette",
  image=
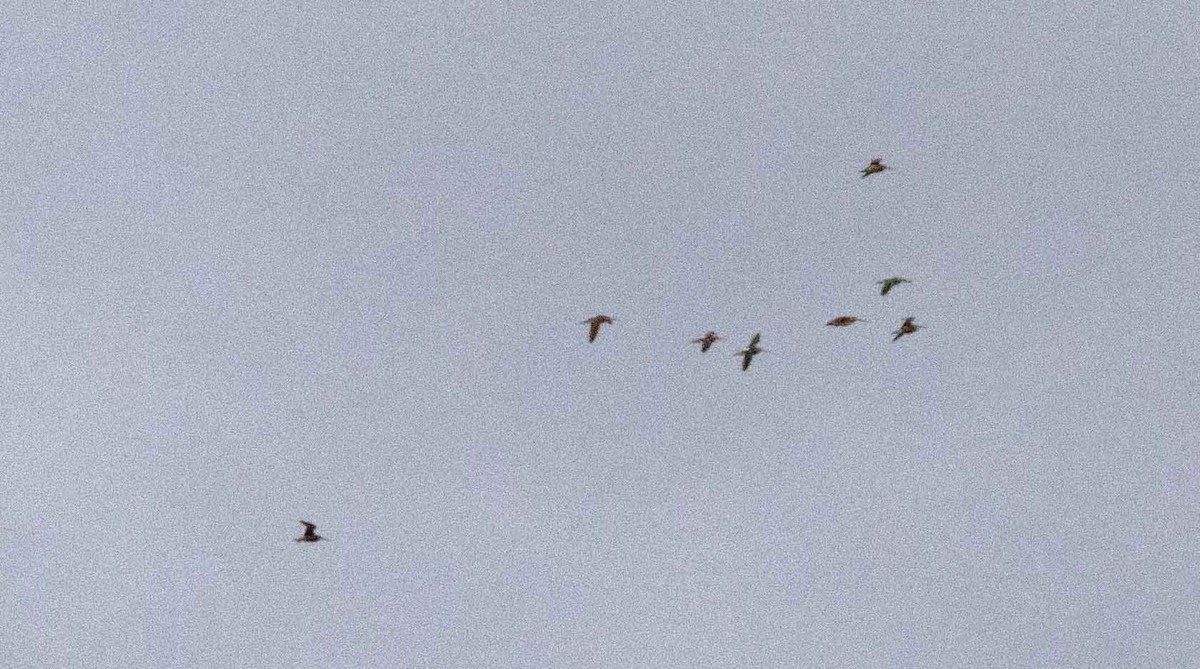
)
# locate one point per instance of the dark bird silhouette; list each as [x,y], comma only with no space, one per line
[706,341]
[750,351]
[310,533]
[595,322]
[906,328]
[843,321]
[875,167]
[889,284]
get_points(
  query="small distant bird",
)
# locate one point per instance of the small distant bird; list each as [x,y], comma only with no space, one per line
[706,341]
[875,167]
[750,351]
[595,322]
[310,533]
[889,284]
[907,327]
[843,321]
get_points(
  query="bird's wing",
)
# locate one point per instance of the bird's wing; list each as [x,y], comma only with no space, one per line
[594,330]
[308,525]
[754,341]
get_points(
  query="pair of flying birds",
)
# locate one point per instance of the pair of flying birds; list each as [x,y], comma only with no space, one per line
[887,286]
[747,353]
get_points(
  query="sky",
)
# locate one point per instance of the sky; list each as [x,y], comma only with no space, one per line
[263,262]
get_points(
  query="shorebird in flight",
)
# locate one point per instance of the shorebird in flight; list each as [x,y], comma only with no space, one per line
[875,167]
[907,327]
[889,284]
[843,321]
[706,341]
[310,533]
[750,351]
[595,322]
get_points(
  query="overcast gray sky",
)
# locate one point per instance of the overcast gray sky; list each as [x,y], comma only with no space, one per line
[267,261]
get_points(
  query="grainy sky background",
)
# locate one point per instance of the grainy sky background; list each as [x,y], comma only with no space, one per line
[266,261]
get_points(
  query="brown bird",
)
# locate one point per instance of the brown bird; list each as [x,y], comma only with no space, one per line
[706,341]
[595,322]
[907,327]
[750,351]
[875,167]
[310,533]
[843,321]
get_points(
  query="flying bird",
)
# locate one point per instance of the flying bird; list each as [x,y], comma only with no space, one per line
[706,341]
[750,351]
[875,167]
[907,327]
[889,284]
[310,533]
[843,321]
[595,322]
